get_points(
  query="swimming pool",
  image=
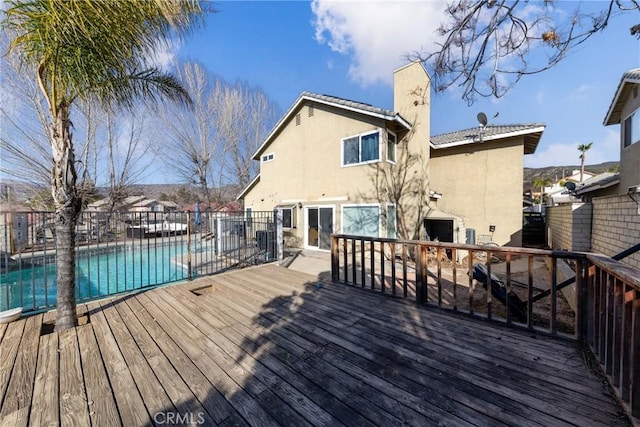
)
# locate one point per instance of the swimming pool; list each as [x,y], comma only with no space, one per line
[123,269]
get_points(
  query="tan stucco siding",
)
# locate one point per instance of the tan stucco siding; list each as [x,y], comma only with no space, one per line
[629,156]
[482,184]
[307,161]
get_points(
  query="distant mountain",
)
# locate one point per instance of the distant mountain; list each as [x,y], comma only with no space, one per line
[555,172]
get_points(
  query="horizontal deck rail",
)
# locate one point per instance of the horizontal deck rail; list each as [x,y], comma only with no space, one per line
[516,286]
[124,251]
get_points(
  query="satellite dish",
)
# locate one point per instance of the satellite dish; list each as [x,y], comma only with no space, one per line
[571,186]
[482,118]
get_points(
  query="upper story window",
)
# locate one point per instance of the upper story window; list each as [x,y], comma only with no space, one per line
[268,157]
[631,129]
[391,147]
[363,148]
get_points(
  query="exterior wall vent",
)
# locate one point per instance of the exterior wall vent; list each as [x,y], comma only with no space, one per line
[297,119]
[310,110]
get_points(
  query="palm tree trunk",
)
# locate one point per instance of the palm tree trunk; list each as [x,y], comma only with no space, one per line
[67,204]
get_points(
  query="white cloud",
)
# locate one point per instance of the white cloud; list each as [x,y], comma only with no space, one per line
[377,35]
[606,149]
[164,56]
[581,93]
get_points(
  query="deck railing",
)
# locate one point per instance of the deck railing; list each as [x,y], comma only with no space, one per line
[592,299]
[123,251]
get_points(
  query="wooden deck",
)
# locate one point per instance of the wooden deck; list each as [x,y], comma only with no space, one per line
[270,346]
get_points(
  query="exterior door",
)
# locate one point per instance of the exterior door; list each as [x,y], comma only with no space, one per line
[326,228]
[319,227]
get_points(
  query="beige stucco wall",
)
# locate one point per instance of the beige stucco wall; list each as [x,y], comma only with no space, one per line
[569,226]
[616,227]
[482,184]
[629,156]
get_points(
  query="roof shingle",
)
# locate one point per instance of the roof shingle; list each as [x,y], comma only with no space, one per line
[629,79]
[532,131]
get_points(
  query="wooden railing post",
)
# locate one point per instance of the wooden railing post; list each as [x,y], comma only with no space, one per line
[421,276]
[335,260]
[634,375]
[584,302]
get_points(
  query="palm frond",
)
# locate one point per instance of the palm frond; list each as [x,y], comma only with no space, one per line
[82,45]
[150,85]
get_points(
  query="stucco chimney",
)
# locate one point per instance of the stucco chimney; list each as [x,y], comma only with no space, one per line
[412,98]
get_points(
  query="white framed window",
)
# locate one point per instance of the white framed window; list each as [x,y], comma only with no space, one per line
[289,218]
[361,220]
[391,147]
[631,129]
[363,148]
[269,157]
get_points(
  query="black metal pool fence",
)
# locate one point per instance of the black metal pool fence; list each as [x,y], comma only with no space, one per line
[122,251]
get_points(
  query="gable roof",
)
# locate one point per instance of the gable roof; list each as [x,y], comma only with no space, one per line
[126,202]
[598,182]
[333,101]
[249,186]
[532,133]
[628,80]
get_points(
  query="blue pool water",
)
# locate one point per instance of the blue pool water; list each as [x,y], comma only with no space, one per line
[96,276]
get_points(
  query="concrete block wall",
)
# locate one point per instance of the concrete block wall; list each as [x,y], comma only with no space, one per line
[569,227]
[616,227]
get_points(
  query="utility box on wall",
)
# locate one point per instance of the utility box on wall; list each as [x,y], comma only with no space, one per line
[471,236]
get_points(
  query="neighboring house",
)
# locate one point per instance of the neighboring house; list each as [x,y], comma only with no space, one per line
[135,204]
[331,165]
[609,212]
[557,193]
[604,184]
[625,111]
[104,204]
[168,206]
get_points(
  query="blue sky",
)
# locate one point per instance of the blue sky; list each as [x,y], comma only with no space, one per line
[275,45]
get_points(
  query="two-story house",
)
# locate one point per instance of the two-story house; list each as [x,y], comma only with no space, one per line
[333,165]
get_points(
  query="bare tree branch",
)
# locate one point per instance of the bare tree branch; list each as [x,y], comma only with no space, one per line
[489,45]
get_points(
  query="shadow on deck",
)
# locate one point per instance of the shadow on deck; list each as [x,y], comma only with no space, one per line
[273,346]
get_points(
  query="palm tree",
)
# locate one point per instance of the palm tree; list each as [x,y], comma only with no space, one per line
[542,182]
[91,50]
[583,148]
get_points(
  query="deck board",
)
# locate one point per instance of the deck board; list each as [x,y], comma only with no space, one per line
[8,353]
[266,384]
[214,403]
[45,409]
[131,407]
[20,387]
[102,406]
[270,346]
[174,386]
[426,392]
[204,354]
[74,408]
